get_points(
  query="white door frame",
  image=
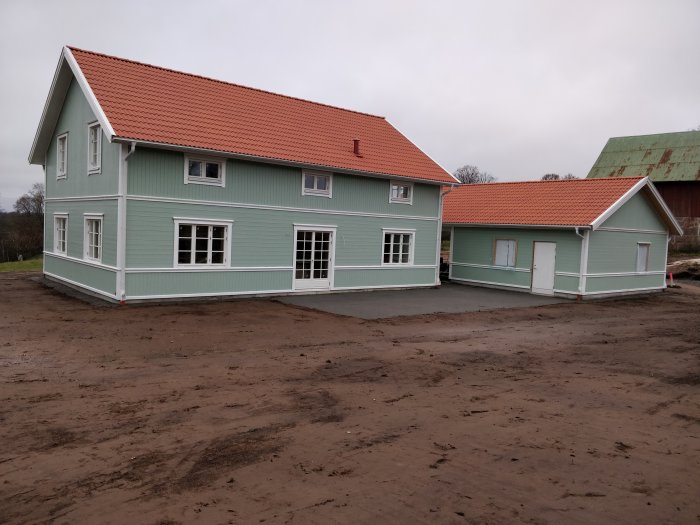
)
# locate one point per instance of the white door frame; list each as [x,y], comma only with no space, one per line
[540,290]
[331,253]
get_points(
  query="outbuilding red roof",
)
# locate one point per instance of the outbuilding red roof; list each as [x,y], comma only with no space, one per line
[576,202]
[152,104]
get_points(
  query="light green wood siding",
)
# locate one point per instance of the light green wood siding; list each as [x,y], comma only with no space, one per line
[76,223]
[74,119]
[93,277]
[636,213]
[161,173]
[265,238]
[615,252]
[475,248]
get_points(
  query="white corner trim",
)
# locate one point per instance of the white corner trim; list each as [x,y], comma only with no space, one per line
[583,262]
[89,94]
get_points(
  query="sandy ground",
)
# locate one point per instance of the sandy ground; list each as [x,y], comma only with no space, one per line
[259,412]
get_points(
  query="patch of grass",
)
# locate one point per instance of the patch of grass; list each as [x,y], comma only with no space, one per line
[35,264]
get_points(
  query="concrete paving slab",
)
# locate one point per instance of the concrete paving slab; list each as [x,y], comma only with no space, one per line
[449,298]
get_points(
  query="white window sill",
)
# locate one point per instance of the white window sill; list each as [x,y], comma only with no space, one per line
[95,171]
[206,182]
[91,260]
[202,266]
[61,177]
[400,202]
[311,193]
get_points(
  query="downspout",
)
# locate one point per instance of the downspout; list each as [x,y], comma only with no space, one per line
[121,219]
[583,264]
[443,194]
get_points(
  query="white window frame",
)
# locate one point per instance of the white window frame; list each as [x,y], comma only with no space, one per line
[61,174]
[316,192]
[511,256]
[646,261]
[400,200]
[87,217]
[221,181]
[411,246]
[94,169]
[56,246]
[228,225]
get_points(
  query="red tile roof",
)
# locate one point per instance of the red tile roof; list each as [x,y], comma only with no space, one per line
[576,202]
[149,103]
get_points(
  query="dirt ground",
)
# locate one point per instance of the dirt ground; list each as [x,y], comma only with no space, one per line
[258,412]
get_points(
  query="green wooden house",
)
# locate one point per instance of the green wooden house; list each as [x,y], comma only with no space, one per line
[162,184]
[571,238]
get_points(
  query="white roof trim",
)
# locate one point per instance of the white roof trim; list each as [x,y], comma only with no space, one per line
[89,94]
[66,70]
[670,219]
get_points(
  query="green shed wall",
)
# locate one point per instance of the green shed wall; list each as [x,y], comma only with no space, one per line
[612,251]
[473,257]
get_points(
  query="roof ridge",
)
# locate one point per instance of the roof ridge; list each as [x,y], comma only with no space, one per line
[655,134]
[170,70]
[635,177]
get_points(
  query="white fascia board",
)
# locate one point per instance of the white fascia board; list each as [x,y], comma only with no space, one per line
[281,162]
[619,203]
[36,157]
[89,94]
[662,204]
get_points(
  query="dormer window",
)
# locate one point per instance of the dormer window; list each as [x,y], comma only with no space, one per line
[205,170]
[401,192]
[94,149]
[316,183]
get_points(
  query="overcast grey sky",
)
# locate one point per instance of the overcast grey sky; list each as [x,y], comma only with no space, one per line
[519,88]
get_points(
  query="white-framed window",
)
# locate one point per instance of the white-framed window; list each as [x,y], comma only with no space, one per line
[200,242]
[94,161]
[93,237]
[401,192]
[643,256]
[62,156]
[205,170]
[60,233]
[397,247]
[504,253]
[319,183]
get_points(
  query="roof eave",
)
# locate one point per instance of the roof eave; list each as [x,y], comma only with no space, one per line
[274,160]
[54,102]
[523,226]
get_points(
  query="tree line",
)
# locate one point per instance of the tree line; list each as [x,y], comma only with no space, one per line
[470,174]
[22,230]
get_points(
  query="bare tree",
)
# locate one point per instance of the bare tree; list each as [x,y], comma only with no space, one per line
[469,174]
[22,232]
[32,202]
[556,176]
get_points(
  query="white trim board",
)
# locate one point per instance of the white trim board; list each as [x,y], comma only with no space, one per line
[82,261]
[630,230]
[175,200]
[212,269]
[84,198]
[388,267]
[492,267]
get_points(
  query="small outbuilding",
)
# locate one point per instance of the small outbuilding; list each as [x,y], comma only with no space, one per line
[581,238]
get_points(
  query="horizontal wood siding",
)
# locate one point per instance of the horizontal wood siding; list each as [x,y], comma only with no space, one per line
[380,277]
[475,246]
[74,119]
[98,278]
[76,223]
[160,173]
[636,213]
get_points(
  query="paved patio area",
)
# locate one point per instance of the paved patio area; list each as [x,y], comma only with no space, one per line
[449,298]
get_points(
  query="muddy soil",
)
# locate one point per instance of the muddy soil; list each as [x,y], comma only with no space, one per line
[252,411]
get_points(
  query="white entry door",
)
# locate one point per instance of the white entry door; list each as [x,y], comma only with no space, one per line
[543,260]
[313,260]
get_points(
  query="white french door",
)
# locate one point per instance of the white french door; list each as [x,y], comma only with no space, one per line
[313,259]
